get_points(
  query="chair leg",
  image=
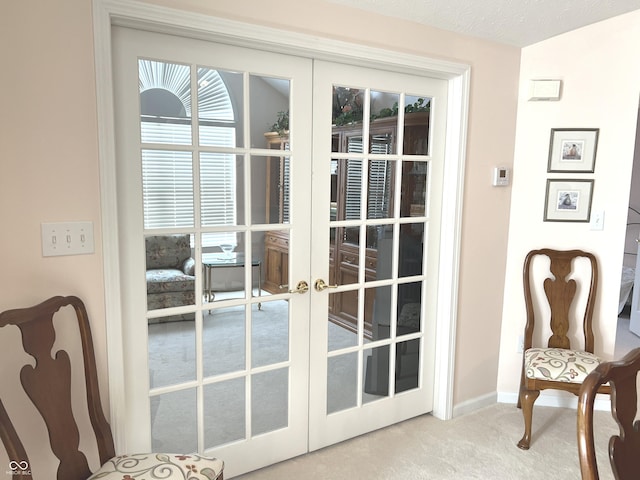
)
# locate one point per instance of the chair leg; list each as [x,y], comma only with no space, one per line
[527,399]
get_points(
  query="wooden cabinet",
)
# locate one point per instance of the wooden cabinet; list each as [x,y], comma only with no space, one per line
[346,184]
[276,260]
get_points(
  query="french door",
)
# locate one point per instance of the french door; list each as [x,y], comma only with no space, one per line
[378,171]
[279,225]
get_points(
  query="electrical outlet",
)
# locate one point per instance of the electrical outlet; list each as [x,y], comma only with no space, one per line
[67,238]
[520,347]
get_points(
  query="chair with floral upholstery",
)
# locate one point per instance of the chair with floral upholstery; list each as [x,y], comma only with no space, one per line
[47,383]
[170,273]
[557,365]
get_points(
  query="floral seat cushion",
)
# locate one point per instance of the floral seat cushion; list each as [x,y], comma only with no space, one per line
[151,466]
[559,364]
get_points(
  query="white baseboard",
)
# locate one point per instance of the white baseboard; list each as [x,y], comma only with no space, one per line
[474,404]
[549,399]
[546,399]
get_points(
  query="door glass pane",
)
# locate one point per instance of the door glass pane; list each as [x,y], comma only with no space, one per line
[269,107]
[223,340]
[276,261]
[376,373]
[345,311]
[380,248]
[165,102]
[269,401]
[379,188]
[416,125]
[170,273]
[407,365]
[409,308]
[271,190]
[378,317]
[414,189]
[173,422]
[350,183]
[333,206]
[348,258]
[270,333]
[221,187]
[342,380]
[339,336]
[223,266]
[411,249]
[224,412]
[219,123]
[384,122]
[167,189]
[348,109]
[171,352]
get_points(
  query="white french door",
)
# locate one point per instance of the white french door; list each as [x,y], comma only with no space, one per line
[378,173]
[217,365]
[248,367]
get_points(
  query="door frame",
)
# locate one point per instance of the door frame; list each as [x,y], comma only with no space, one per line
[107,13]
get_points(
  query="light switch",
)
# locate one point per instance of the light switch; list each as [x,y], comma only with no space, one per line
[597,220]
[67,238]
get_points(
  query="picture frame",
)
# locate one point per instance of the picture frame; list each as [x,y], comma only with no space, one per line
[573,150]
[568,200]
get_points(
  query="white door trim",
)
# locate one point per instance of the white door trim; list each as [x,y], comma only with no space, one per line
[145,16]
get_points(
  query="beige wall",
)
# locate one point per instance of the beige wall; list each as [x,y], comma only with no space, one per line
[601,75]
[50,168]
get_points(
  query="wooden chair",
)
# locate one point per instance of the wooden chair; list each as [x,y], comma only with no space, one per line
[556,365]
[48,386]
[624,449]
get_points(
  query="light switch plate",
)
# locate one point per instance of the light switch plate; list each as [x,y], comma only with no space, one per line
[597,220]
[67,238]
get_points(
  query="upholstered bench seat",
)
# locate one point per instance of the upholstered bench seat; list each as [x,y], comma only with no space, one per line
[169,280]
[151,466]
[559,364]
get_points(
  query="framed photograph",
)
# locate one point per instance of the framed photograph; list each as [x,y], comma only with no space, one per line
[573,150]
[568,200]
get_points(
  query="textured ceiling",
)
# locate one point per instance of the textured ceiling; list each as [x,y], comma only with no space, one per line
[513,22]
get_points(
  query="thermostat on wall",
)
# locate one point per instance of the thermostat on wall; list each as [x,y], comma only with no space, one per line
[500,176]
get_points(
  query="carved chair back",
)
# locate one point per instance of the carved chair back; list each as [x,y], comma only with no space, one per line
[560,292]
[48,385]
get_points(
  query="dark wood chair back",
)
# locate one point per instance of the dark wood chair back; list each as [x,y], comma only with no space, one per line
[624,449]
[48,385]
[560,292]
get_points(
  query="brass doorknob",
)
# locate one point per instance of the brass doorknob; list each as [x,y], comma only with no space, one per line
[320,285]
[301,287]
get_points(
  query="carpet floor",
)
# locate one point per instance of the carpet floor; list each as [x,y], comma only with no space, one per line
[478,445]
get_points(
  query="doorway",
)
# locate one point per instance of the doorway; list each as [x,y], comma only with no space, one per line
[628,328]
[118,262]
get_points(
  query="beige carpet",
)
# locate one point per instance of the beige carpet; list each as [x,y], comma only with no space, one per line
[479,445]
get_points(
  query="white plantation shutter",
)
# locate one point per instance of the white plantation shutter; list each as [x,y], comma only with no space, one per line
[286,188]
[167,189]
[378,196]
[218,194]
[354,180]
[379,178]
